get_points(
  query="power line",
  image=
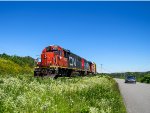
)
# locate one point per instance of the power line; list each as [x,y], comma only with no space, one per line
[101,68]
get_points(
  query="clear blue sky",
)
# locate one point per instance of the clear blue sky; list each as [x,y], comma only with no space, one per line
[115,34]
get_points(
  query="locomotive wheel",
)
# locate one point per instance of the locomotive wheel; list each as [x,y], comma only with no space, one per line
[69,72]
[53,73]
[82,73]
[63,72]
[36,74]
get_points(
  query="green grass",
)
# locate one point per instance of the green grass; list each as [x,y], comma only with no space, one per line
[21,61]
[15,65]
[25,93]
[10,67]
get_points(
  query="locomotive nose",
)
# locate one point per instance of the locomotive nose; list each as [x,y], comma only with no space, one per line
[47,59]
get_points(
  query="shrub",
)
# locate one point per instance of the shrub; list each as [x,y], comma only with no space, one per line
[8,67]
[14,65]
[146,79]
[21,61]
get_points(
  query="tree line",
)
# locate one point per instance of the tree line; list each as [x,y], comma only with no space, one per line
[22,61]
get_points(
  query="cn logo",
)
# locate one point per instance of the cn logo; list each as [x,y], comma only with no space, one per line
[72,61]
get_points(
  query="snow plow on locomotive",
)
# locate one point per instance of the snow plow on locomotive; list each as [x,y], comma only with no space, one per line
[57,61]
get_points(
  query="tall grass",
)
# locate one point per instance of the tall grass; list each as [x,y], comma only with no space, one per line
[64,95]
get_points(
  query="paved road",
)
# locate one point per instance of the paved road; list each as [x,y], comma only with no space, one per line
[136,96]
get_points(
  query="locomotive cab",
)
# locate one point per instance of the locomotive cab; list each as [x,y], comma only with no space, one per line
[47,57]
[53,56]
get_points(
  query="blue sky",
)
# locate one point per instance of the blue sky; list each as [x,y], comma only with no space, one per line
[115,34]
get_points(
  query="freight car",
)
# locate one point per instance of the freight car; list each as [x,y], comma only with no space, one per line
[57,61]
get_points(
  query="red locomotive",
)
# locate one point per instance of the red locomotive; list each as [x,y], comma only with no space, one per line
[57,61]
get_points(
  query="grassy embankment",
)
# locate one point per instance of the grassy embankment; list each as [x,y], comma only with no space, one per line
[24,93]
[14,65]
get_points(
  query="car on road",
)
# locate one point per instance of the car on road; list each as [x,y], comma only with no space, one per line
[130,79]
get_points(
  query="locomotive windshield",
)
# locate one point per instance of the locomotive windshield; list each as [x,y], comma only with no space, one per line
[51,49]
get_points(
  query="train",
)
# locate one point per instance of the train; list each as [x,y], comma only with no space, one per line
[57,62]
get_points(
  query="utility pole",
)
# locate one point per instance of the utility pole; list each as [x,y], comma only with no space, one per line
[101,68]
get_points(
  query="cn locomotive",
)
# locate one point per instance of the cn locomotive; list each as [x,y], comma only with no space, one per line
[57,61]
